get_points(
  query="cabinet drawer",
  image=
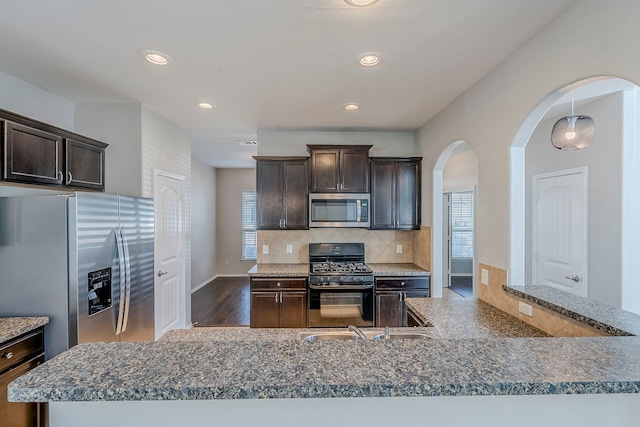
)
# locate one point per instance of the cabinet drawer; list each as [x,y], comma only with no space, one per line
[278,284]
[17,350]
[401,283]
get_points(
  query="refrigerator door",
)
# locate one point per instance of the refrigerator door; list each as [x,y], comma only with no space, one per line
[137,225]
[96,268]
[33,264]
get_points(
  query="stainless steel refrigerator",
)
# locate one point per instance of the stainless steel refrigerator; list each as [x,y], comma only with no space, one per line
[83,259]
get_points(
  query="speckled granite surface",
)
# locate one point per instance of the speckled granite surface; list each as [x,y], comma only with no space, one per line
[289,369]
[612,320]
[282,270]
[11,327]
[470,318]
[398,270]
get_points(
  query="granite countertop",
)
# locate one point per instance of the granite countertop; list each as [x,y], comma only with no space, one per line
[279,270]
[597,315]
[470,318]
[11,327]
[240,363]
[398,270]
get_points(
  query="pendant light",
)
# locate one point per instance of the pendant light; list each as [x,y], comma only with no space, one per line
[573,132]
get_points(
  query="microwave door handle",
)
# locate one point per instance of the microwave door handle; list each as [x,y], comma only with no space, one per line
[358,210]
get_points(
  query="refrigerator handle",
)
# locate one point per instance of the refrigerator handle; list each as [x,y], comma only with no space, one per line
[123,278]
[127,266]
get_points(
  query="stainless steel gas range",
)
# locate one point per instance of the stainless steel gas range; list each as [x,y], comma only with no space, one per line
[340,286]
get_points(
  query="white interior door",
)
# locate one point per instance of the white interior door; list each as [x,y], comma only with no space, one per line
[170,252]
[559,230]
[446,240]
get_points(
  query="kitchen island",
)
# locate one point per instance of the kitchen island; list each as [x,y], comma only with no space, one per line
[233,376]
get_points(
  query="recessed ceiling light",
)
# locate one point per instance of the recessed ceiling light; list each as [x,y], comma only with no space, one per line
[205,105]
[369,59]
[361,3]
[351,107]
[157,57]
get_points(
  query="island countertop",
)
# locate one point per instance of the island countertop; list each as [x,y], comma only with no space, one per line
[12,327]
[235,363]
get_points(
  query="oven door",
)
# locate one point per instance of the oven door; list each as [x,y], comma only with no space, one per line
[340,306]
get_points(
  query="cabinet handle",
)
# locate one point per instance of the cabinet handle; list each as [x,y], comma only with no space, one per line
[59,177]
[401,283]
[70,177]
[7,355]
[278,284]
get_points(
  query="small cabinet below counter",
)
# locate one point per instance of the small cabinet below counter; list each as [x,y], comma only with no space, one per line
[278,302]
[391,294]
[18,356]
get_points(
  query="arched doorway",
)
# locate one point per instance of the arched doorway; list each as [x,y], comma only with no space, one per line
[454,172]
[612,209]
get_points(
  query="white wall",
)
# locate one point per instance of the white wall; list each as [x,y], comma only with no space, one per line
[229,186]
[30,101]
[490,114]
[120,126]
[461,170]
[604,160]
[294,143]
[203,223]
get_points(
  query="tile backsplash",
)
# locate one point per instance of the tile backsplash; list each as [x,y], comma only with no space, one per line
[380,246]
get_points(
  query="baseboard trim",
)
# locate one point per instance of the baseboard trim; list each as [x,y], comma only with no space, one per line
[215,277]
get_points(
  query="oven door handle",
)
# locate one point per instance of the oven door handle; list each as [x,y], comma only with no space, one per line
[341,287]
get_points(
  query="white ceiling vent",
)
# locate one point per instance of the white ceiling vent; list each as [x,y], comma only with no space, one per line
[248,143]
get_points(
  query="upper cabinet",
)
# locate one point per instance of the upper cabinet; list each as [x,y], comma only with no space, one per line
[282,186]
[339,168]
[395,193]
[39,154]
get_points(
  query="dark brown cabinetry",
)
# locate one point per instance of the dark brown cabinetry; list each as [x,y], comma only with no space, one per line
[278,302]
[391,294]
[282,186]
[39,154]
[339,169]
[17,356]
[395,193]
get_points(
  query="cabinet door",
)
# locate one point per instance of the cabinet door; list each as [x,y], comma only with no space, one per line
[408,180]
[32,156]
[293,310]
[269,194]
[389,309]
[325,171]
[295,205]
[264,309]
[19,414]
[354,171]
[383,195]
[84,165]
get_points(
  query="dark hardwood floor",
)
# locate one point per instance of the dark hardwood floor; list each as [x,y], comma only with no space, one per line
[222,302]
[462,286]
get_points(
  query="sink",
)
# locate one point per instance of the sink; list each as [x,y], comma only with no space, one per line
[408,335]
[421,333]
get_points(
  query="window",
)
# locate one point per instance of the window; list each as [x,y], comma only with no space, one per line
[462,225]
[249,233]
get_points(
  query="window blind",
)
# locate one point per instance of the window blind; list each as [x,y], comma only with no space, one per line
[249,233]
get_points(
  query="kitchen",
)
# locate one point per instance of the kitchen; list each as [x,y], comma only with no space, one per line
[479,116]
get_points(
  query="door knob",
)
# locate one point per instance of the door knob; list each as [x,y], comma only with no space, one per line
[575,278]
[161,273]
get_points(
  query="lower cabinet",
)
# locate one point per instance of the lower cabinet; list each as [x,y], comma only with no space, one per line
[391,295]
[278,303]
[18,356]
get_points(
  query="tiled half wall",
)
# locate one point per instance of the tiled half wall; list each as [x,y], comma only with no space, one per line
[546,320]
[380,246]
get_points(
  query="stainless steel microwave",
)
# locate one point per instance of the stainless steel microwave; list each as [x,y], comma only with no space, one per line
[339,210]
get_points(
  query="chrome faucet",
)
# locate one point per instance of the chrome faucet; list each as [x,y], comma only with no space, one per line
[357,331]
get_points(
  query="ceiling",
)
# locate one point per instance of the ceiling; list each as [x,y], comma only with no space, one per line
[284,64]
